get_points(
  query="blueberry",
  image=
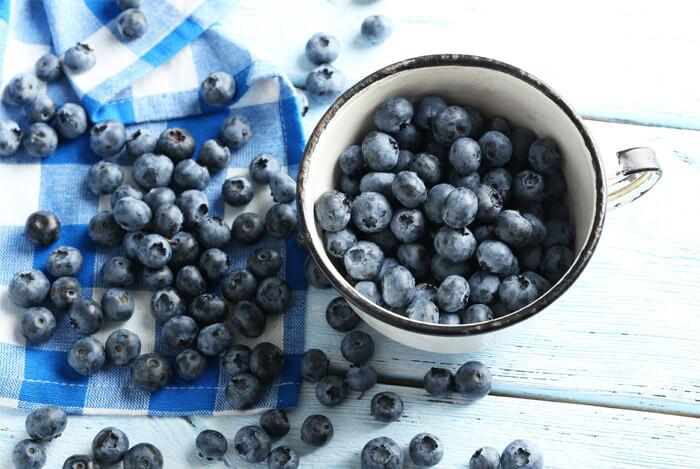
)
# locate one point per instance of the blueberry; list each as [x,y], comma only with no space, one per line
[409,139]
[332,210]
[218,89]
[28,454]
[124,4]
[460,208]
[361,378]
[539,230]
[317,430]
[363,260]
[37,324]
[189,281]
[313,274]
[281,220]
[496,148]
[110,445]
[438,382]
[409,189]
[393,114]
[248,319]
[415,258]
[499,124]
[340,316]
[382,453]
[558,232]
[490,203]
[264,262]
[10,137]
[521,140]
[86,356]
[167,303]
[150,372]
[151,170]
[252,444]
[351,160]
[143,455]
[380,151]
[132,214]
[42,228]
[528,187]
[371,212]
[465,155]
[426,291]
[408,225]
[477,313]
[544,156]
[471,181]
[235,132]
[48,68]
[132,24]
[64,292]
[473,380]
[513,228]
[369,290]
[125,190]
[385,239]
[423,310]
[194,206]
[208,309]
[322,48]
[387,264]
[43,109]
[179,332]
[541,283]
[188,174]
[405,158]
[522,454]
[377,182]
[435,201]
[450,124]
[122,347]
[533,208]
[154,251]
[554,186]
[386,406]
[426,450]
[331,390]
[283,187]
[517,291]
[324,83]
[211,445]
[426,109]
[79,58]
[190,364]
[212,232]
[529,257]
[243,391]
[486,457]
[248,228]
[238,285]
[376,28]
[457,245]
[398,287]
[176,143]
[71,120]
[350,184]
[81,461]
[283,457]
[441,267]
[155,279]
[185,250]
[167,220]
[453,294]
[46,423]
[22,89]
[85,316]
[41,140]
[103,229]
[214,155]
[337,243]
[555,262]
[357,347]
[477,121]
[427,167]
[501,180]
[236,360]
[118,272]
[214,339]
[266,361]
[140,142]
[275,423]
[495,257]
[28,288]
[107,138]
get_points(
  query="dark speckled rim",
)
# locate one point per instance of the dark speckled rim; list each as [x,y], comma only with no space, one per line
[402,322]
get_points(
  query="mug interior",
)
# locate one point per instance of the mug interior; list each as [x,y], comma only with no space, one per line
[496,90]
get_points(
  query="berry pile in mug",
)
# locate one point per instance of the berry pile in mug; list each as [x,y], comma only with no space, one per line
[446,216]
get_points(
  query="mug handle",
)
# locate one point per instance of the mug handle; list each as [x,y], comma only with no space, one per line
[638,171]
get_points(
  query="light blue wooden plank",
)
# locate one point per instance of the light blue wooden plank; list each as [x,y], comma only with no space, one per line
[609,59]
[627,333]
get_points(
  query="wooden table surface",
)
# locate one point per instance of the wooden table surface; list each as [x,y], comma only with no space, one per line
[608,376]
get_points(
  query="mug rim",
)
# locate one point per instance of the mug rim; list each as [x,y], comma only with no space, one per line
[308,222]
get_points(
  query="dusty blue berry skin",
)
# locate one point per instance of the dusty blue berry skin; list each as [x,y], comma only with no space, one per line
[275,423]
[513,228]
[130,243]
[414,256]
[110,445]
[214,264]
[64,292]
[405,158]
[266,361]
[211,445]
[450,124]
[155,279]
[248,318]
[154,251]
[340,316]
[377,181]
[409,189]
[337,243]
[371,212]
[122,347]
[212,232]
[71,120]
[194,206]
[477,313]
[40,140]
[351,160]
[324,83]
[151,170]
[150,372]
[438,382]
[179,332]
[528,187]
[426,450]
[426,109]
[22,89]
[125,190]
[185,250]
[363,260]
[236,360]
[28,288]
[85,316]
[465,155]
[490,203]
[235,132]
[237,191]
[86,356]
[495,257]
[361,378]
[48,68]
[103,229]
[473,380]
[460,208]
[167,303]
[252,444]
[143,455]
[485,458]
[539,230]
[107,138]
[42,228]
[214,339]
[408,225]
[273,295]
[386,406]
[426,291]
[43,109]
[387,264]
[522,454]
[140,142]
[28,454]
[190,364]
[457,245]
[380,151]
[427,167]
[46,423]
[398,287]
[558,232]
[501,180]
[322,48]
[214,155]
[79,58]
[10,137]
[435,200]
[176,143]
[453,294]
[314,365]
[218,89]
[118,272]
[78,461]
[283,188]
[190,282]
[517,291]
[385,239]
[556,260]
[349,184]
[496,148]
[409,139]
[283,457]
[262,167]
[281,220]
[208,309]
[37,324]
[541,283]
[382,453]
[317,430]
[188,174]
[442,267]
[357,347]
[331,390]
[369,290]
[243,391]
[238,285]
[376,28]
[264,262]
[393,114]
[544,156]
[132,24]
[423,310]
[313,274]
[167,220]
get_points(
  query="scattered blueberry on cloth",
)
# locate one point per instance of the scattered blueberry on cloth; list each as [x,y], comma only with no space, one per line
[151,82]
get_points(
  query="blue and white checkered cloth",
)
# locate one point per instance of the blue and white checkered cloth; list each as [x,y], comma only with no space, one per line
[152,81]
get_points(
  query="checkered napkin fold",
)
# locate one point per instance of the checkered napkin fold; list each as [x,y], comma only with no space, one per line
[151,82]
